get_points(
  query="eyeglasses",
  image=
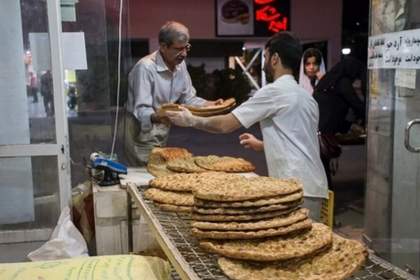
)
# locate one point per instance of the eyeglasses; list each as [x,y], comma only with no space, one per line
[179,50]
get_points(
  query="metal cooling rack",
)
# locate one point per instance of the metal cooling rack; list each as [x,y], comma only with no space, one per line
[377,268]
[173,233]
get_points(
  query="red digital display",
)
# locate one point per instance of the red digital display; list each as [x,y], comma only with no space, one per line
[263,2]
[271,16]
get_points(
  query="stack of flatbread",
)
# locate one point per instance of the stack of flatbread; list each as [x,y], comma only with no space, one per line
[223,108]
[248,208]
[336,262]
[257,227]
[174,192]
[172,160]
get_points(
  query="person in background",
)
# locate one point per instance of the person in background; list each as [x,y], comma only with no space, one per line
[340,92]
[160,77]
[288,117]
[72,98]
[31,77]
[312,68]
[46,92]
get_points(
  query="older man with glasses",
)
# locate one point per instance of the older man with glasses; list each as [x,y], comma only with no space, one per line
[158,78]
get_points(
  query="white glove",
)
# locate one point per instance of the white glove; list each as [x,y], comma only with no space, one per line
[181,118]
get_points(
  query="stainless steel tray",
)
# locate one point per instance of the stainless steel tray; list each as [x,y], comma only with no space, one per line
[173,233]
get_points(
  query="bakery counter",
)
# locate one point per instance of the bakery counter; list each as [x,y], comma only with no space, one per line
[173,233]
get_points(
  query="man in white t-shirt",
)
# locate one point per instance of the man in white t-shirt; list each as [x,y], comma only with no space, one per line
[288,117]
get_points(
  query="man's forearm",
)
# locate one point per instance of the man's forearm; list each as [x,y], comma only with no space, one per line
[212,124]
[217,124]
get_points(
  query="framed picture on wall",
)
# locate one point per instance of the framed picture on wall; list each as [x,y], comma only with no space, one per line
[234,18]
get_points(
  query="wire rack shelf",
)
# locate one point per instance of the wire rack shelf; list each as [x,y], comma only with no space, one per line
[173,233]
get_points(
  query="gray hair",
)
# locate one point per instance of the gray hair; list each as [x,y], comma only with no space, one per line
[173,32]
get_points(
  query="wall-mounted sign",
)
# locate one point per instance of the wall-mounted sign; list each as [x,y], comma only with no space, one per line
[395,50]
[259,18]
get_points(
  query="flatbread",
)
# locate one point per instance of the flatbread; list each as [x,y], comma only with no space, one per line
[248,210]
[186,165]
[275,222]
[168,197]
[274,249]
[214,112]
[176,182]
[159,157]
[339,262]
[251,189]
[171,107]
[250,203]
[174,208]
[226,164]
[226,104]
[186,182]
[262,233]
[206,111]
[159,170]
[237,218]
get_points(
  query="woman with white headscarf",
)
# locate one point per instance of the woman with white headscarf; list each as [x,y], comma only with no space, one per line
[312,68]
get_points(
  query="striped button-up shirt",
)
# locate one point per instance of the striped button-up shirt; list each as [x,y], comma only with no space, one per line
[152,84]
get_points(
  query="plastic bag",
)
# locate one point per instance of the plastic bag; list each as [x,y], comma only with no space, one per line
[83,216]
[65,241]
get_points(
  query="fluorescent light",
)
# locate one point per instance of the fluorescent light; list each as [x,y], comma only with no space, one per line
[346,51]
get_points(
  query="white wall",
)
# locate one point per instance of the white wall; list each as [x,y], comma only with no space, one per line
[310,20]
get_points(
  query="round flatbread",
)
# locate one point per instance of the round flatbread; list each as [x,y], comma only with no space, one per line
[250,203]
[249,217]
[226,164]
[159,170]
[186,165]
[174,208]
[262,233]
[171,107]
[214,112]
[185,182]
[168,197]
[250,189]
[159,157]
[248,210]
[226,104]
[274,249]
[339,262]
[206,111]
[275,222]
